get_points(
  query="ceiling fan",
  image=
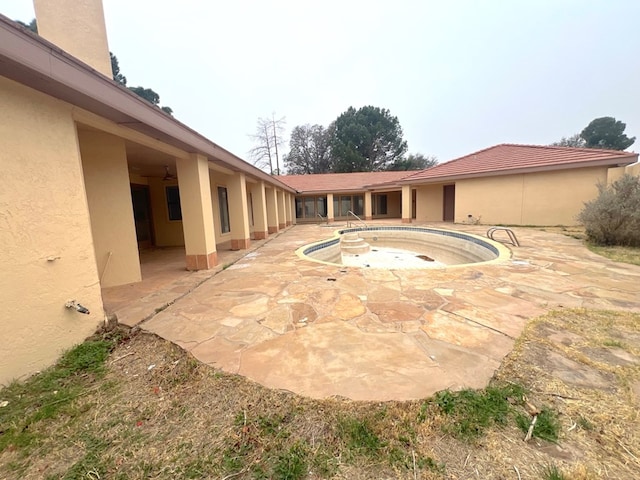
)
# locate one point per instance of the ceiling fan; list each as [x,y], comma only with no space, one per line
[168,175]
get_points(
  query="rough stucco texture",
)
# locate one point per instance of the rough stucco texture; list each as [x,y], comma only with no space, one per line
[545,198]
[104,163]
[78,27]
[43,214]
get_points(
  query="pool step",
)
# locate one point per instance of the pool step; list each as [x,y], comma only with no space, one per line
[352,244]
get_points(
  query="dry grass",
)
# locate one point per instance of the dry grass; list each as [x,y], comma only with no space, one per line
[182,419]
[617,253]
[574,231]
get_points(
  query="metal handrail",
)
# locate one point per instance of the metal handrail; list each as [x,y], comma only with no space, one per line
[357,217]
[324,219]
[510,234]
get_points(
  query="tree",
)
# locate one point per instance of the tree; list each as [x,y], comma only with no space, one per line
[573,141]
[606,132]
[367,140]
[32,25]
[148,94]
[414,161]
[267,140]
[309,150]
[115,68]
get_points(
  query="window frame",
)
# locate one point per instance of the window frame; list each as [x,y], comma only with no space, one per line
[172,203]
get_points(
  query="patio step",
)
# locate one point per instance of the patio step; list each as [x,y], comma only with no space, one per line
[352,244]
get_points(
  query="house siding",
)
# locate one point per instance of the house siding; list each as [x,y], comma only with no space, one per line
[543,198]
[45,234]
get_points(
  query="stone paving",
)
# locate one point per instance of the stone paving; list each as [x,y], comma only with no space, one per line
[369,334]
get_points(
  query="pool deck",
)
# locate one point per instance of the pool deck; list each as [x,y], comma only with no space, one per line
[368,334]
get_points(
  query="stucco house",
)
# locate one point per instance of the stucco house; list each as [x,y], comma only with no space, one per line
[503,184]
[91,173]
[331,196]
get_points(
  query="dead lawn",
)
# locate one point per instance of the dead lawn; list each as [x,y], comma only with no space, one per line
[158,413]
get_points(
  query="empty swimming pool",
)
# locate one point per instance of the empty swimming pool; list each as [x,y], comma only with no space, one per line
[403,247]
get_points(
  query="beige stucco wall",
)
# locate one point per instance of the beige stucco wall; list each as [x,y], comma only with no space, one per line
[394,204]
[167,233]
[544,198]
[78,27]
[43,215]
[238,207]
[615,173]
[429,200]
[633,169]
[106,178]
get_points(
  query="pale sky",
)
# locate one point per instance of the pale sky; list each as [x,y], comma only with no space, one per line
[459,75]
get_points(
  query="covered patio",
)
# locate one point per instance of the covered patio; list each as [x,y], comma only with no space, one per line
[164,280]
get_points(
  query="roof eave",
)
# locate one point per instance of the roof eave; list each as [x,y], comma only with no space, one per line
[36,63]
[610,162]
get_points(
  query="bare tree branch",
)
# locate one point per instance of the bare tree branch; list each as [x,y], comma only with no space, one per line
[267,139]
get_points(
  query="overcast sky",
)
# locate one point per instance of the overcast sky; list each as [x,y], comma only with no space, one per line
[459,75]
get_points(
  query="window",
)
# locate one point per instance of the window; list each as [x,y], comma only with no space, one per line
[299,211]
[321,206]
[223,203]
[358,204]
[173,203]
[345,206]
[251,208]
[343,203]
[310,207]
[380,205]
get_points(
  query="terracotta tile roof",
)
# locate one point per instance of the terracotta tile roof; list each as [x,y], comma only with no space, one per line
[508,158]
[342,182]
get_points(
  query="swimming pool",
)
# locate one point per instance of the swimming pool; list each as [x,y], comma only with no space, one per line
[404,247]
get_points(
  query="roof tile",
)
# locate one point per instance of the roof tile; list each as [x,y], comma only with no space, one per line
[505,157]
[338,182]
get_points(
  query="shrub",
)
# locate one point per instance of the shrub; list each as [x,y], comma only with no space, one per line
[613,218]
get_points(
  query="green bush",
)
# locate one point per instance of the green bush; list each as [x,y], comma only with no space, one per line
[613,218]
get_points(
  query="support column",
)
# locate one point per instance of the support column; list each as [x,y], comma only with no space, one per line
[197,215]
[292,206]
[272,210]
[238,212]
[260,229]
[106,179]
[330,217]
[287,208]
[406,204]
[367,206]
[282,221]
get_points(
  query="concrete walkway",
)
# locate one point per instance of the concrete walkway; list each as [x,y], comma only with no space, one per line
[368,334]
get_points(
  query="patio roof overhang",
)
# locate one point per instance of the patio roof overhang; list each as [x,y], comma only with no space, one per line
[373,189]
[32,61]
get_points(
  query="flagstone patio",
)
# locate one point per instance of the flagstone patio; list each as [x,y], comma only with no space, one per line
[368,334]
